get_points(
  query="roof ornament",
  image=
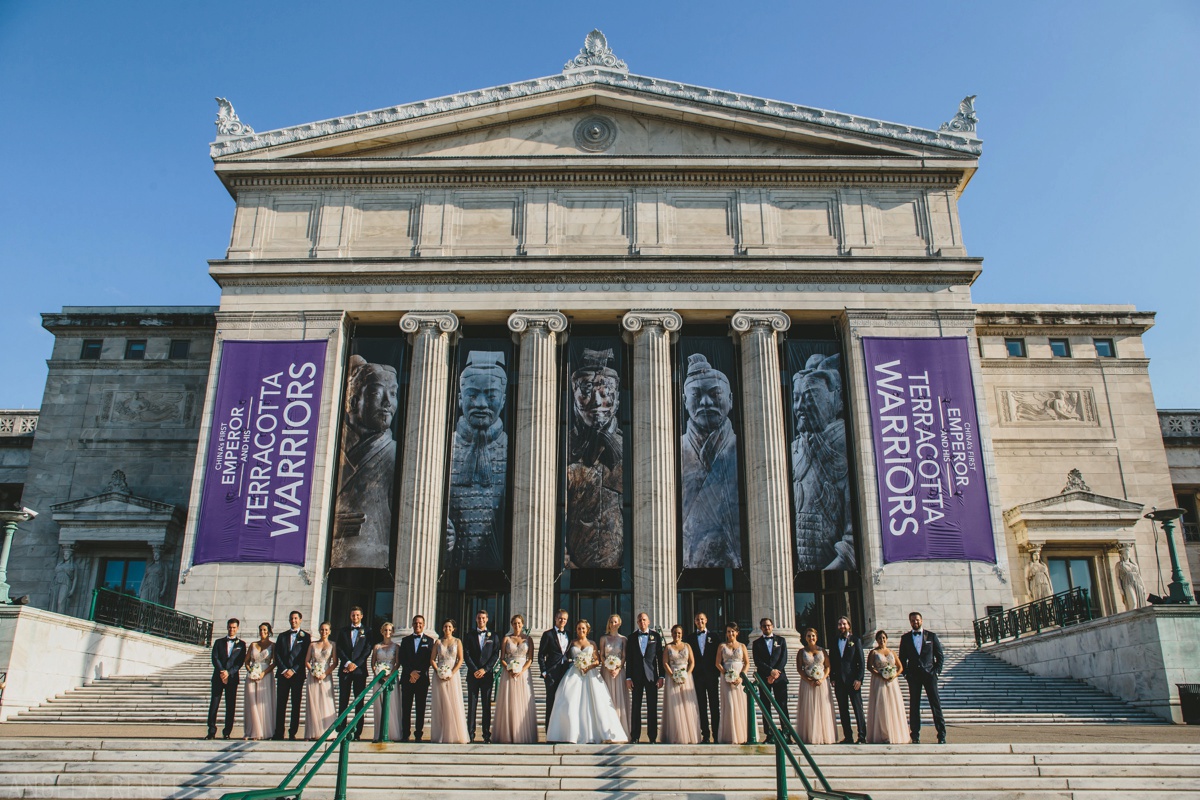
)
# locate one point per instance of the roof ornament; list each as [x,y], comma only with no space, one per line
[228,123]
[596,53]
[1075,483]
[965,120]
[117,483]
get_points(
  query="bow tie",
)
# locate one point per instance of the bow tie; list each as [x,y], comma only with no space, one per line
[702,633]
[644,634]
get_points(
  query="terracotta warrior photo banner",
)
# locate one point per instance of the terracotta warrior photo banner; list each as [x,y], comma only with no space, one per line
[711,498]
[477,498]
[929,463]
[258,472]
[594,534]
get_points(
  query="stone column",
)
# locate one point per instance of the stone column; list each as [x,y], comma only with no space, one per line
[535,467]
[655,483]
[423,471]
[764,439]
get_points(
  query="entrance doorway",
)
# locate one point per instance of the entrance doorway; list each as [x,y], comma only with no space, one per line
[596,608]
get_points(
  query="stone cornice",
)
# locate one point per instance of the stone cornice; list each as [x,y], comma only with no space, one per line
[745,321]
[682,93]
[1071,365]
[521,320]
[275,320]
[1082,321]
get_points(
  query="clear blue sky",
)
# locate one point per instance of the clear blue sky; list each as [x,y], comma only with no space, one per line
[1087,191]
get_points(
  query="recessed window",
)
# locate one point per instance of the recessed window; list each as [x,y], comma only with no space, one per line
[122,575]
[135,349]
[91,349]
[1105,348]
[1060,348]
[1016,347]
[180,348]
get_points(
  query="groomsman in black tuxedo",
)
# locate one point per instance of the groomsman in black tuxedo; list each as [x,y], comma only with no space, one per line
[922,657]
[291,648]
[416,653]
[644,668]
[552,657]
[770,662]
[481,650]
[707,677]
[847,669]
[228,656]
[353,649]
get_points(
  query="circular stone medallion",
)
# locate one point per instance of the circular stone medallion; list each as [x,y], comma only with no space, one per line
[595,134]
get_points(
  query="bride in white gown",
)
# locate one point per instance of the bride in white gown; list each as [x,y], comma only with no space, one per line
[583,708]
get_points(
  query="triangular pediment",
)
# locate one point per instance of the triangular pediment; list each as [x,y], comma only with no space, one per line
[112,505]
[647,117]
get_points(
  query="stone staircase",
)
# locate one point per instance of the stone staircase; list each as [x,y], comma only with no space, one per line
[155,769]
[976,688]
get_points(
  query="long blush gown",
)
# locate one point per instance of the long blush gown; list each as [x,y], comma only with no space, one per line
[259,702]
[583,710]
[389,655]
[814,706]
[615,646]
[681,712]
[886,721]
[733,698]
[448,718]
[321,710]
[515,721]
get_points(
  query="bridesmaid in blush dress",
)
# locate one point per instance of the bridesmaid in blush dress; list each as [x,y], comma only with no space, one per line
[448,718]
[732,659]
[321,710]
[681,711]
[886,722]
[814,708]
[516,720]
[259,702]
[385,657]
[612,646]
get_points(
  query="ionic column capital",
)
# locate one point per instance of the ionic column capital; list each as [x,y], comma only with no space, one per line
[640,319]
[521,321]
[414,321]
[745,321]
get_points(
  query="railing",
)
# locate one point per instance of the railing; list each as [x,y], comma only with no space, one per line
[1059,610]
[337,737]
[126,611]
[783,752]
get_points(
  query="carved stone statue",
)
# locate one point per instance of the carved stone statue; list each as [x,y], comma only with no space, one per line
[712,520]
[63,587]
[363,523]
[228,123]
[821,468]
[479,465]
[965,120]
[155,579]
[595,533]
[1037,576]
[1129,578]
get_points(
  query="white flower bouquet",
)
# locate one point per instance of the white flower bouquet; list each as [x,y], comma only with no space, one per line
[679,676]
[515,665]
[582,663]
[889,672]
[612,662]
[814,672]
[444,673]
[257,672]
[731,676]
[317,671]
[383,668]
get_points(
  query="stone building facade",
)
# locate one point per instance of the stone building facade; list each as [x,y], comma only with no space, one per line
[1181,435]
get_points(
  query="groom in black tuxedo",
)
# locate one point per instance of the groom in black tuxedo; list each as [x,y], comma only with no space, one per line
[291,648]
[644,668]
[771,662]
[416,651]
[481,649]
[922,657]
[552,657]
[706,676]
[228,656]
[846,670]
[353,649]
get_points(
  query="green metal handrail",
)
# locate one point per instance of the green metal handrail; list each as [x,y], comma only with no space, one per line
[383,683]
[783,753]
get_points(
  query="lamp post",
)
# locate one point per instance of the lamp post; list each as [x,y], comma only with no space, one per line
[1180,592]
[10,520]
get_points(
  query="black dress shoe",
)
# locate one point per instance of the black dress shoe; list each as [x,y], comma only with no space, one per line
[703,740]
[278,738]
[915,740]
[224,735]
[942,739]
[211,735]
[292,737]
[847,740]
[862,740]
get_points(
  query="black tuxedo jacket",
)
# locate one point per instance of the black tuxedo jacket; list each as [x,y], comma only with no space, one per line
[706,665]
[358,653]
[648,669]
[929,660]
[477,657]
[552,659]
[848,668]
[415,659]
[287,657]
[764,662]
[228,661]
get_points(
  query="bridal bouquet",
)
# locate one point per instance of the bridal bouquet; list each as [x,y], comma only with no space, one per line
[383,668]
[514,666]
[256,672]
[814,672]
[582,663]
[888,673]
[731,676]
[444,673]
[612,662]
[317,671]
[679,676]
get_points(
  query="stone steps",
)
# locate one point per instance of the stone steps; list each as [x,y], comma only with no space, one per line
[145,769]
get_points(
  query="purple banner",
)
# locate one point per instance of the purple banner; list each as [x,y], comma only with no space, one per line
[928,458]
[259,468]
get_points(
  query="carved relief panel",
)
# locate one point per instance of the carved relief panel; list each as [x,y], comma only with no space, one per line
[1021,407]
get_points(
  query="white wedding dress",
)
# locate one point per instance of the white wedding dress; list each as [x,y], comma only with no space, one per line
[583,709]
